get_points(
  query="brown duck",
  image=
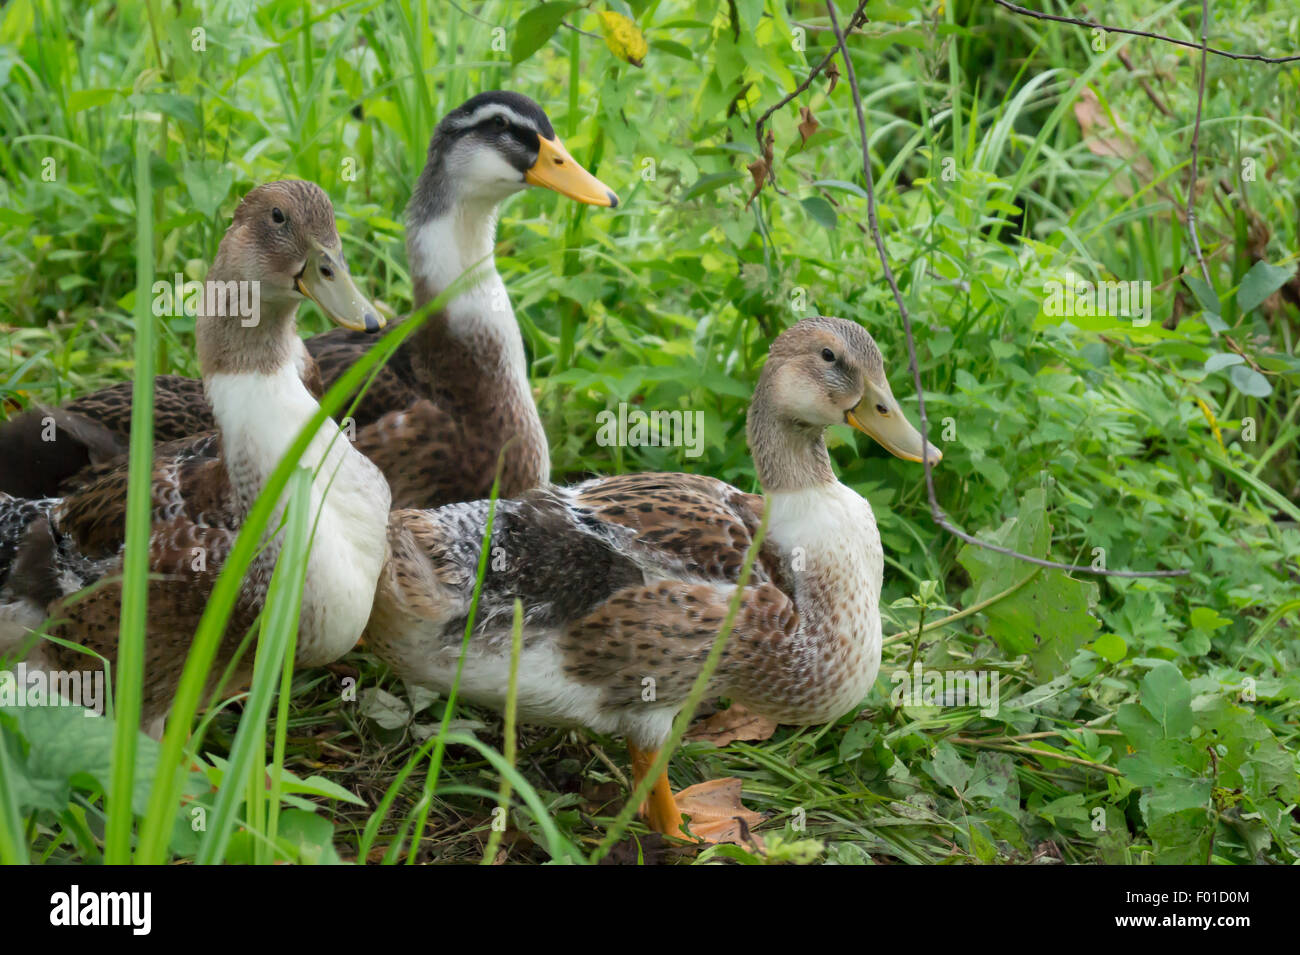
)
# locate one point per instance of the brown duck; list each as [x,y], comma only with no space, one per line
[625,581]
[437,416]
[283,237]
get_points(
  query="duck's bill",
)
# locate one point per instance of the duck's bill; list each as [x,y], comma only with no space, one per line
[890,429]
[325,280]
[556,169]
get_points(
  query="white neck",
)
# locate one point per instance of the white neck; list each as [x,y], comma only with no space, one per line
[259,415]
[440,251]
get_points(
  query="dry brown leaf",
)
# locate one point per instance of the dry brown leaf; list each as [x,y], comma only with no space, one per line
[807,123]
[717,814]
[727,726]
[833,72]
[759,170]
[1099,133]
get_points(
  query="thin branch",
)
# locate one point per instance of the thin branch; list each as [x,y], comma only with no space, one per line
[816,71]
[1196,144]
[1093,25]
[936,512]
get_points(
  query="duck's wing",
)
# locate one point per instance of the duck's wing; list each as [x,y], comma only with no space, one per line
[69,564]
[189,483]
[698,526]
[627,578]
[49,451]
[394,388]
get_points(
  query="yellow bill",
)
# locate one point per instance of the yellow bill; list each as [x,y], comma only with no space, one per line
[556,169]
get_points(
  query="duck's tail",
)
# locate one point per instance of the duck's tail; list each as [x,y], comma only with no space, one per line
[42,448]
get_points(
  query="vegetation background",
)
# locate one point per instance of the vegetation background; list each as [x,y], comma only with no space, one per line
[1141,720]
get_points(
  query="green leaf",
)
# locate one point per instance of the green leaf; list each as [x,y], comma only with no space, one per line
[711,181]
[1047,618]
[1260,282]
[69,748]
[817,139]
[1167,696]
[88,99]
[1207,619]
[1110,647]
[843,186]
[535,27]
[1205,296]
[1250,382]
[1223,359]
[821,211]
[673,48]
[208,183]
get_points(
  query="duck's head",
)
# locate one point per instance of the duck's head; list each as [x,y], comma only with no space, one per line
[824,371]
[283,237]
[492,146]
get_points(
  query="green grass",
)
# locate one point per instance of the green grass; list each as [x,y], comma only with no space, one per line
[987,188]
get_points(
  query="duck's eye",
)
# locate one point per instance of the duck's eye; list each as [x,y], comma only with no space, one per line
[828,354]
[499,122]
[277,216]
[882,410]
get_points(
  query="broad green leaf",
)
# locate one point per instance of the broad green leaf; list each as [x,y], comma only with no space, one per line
[535,27]
[1260,282]
[208,183]
[1250,382]
[1223,359]
[821,211]
[1167,696]
[1110,647]
[1048,618]
[1205,296]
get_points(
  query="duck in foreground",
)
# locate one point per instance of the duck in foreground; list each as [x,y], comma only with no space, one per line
[439,413]
[626,581]
[283,237]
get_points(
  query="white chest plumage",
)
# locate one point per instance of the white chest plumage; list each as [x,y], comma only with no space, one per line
[829,537]
[259,415]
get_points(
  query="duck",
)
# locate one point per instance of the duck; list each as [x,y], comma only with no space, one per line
[626,580]
[438,415]
[66,554]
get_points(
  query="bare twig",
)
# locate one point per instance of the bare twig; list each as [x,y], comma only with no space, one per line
[1093,25]
[936,513]
[1196,144]
[812,75]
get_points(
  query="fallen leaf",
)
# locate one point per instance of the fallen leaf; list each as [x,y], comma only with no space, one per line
[807,123]
[736,723]
[716,813]
[1100,134]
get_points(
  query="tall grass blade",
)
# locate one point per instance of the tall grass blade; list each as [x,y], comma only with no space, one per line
[135,563]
